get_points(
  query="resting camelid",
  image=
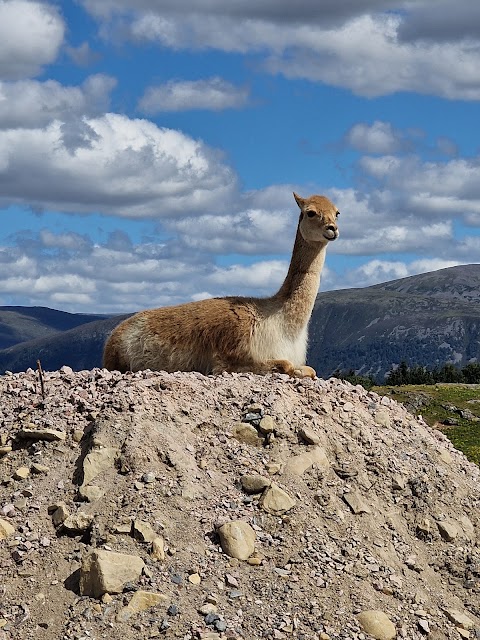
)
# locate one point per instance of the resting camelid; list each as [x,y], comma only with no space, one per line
[260,335]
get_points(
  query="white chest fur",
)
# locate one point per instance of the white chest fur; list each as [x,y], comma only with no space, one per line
[270,341]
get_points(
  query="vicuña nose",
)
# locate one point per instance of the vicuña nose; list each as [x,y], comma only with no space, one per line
[332,228]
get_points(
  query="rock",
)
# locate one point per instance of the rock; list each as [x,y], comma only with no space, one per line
[377,624]
[158,548]
[98,461]
[148,477]
[276,501]
[355,502]
[237,539]
[141,601]
[254,483]
[445,456]
[447,530]
[6,529]
[467,528]
[60,513]
[266,425]
[143,531]
[78,522]
[194,578]
[297,465]
[309,435]
[244,432]
[398,482]
[39,468]
[382,418]
[107,572]
[90,493]
[6,448]
[21,473]
[459,619]
[273,467]
[51,435]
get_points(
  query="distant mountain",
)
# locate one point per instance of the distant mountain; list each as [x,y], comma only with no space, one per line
[427,319]
[18,324]
[80,348]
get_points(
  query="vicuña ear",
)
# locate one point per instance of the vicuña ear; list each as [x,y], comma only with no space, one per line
[300,201]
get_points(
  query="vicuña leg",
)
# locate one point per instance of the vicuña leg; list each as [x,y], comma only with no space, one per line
[269,366]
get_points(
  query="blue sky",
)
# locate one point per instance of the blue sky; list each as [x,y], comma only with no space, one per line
[149,148]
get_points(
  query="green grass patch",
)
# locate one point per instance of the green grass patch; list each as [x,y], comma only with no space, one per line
[442,403]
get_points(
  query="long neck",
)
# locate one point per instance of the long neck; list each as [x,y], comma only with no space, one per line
[299,290]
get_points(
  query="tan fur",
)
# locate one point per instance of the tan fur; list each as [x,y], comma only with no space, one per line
[260,335]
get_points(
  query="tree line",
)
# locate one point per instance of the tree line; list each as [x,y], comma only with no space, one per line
[416,374]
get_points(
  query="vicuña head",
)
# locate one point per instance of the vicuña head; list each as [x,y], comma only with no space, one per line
[258,335]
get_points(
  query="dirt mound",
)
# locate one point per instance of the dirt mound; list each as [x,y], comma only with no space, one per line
[349,518]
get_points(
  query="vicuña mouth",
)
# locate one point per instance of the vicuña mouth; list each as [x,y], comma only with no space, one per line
[330,235]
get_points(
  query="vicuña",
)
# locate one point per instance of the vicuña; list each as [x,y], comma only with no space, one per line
[258,335]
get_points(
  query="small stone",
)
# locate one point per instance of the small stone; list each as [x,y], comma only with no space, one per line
[98,461]
[143,531]
[123,528]
[377,624]
[91,493]
[158,548]
[273,468]
[398,482]
[51,435]
[207,609]
[266,425]
[308,435]
[463,633]
[297,465]
[424,626]
[459,619]
[382,418]
[77,435]
[148,477]
[230,580]
[447,530]
[6,529]
[39,468]
[220,625]
[254,483]
[172,610]
[445,456]
[255,560]
[78,522]
[194,578]
[276,501]
[244,432]
[59,514]
[21,473]
[237,539]
[107,572]
[355,502]
[141,601]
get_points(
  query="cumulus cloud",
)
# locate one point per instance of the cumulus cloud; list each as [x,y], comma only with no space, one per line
[380,137]
[114,165]
[213,94]
[362,46]
[82,55]
[30,104]
[31,34]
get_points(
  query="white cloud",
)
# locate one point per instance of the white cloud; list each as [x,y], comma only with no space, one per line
[380,137]
[82,55]
[30,104]
[213,94]
[360,46]
[31,34]
[113,165]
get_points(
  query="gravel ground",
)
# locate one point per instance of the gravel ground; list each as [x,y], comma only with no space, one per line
[243,507]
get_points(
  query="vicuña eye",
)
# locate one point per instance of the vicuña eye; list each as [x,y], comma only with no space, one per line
[310,214]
